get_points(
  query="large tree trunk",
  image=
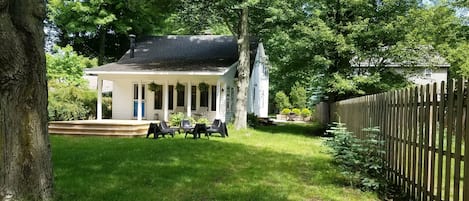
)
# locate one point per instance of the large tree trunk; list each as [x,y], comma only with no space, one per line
[25,159]
[243,72]
[102,45]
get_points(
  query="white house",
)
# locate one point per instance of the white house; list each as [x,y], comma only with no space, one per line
[430,67]
[177,65]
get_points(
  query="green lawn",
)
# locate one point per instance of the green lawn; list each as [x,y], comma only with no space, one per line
[272,163]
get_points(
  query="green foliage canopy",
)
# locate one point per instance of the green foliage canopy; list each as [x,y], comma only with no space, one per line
[100,28]
[440,27]
[65,66]
[69,96]
[314,42]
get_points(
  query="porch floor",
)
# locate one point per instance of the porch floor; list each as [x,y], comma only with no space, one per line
[106,127]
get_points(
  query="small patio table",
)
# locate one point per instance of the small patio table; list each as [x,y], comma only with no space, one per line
[198,129]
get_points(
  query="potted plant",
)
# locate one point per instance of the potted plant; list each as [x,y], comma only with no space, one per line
[306,113]
[283,114]
[203,87]
[180,87]
[293,114]
[154,87]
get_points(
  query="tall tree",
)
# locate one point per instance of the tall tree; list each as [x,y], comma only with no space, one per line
[100,28]
[25,161]
[243,71]
[441,27]
[233,14]
[313,42]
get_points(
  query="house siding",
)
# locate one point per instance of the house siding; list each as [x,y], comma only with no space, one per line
[258,92]
[122,96]
[419,75]
[122,99]
[437,75]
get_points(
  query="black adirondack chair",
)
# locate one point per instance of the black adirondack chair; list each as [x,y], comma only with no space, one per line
[186,125]
[218,127]
[165,129]
[151,129]
[156,130]
[197,130]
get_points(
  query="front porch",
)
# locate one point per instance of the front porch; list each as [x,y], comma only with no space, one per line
[114,128]
[135,97]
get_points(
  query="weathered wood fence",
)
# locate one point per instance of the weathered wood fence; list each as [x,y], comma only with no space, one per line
[425,130]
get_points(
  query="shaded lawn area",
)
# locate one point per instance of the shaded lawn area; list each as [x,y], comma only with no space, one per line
[284,162]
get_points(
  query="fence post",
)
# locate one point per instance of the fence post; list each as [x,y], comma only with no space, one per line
[466,150]
[322,113]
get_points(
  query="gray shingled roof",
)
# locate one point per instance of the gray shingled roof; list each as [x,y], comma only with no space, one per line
[421,56]
[200,53]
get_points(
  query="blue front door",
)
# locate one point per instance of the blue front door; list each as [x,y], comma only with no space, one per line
[136,106]
[136,100]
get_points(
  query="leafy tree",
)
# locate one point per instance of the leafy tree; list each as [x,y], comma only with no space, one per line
[312,41]
[298,96]
[235,15]
[26,167]
[100,28]
[355,85]
[281,100]
[69,96]
[65,66]
[440,27]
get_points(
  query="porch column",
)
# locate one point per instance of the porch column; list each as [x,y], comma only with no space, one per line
[139,101]
[99,106]
[218,101]
[165,101]
[223,106]
[189,98]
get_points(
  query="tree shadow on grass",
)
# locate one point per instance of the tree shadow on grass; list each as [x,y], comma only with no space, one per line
[183,169]
[305,129]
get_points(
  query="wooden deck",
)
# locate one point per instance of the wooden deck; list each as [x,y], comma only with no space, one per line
[114,128]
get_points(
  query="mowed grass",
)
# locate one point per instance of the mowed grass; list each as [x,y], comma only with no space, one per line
[285,162]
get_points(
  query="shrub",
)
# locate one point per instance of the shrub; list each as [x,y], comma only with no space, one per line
[298,96]
[89,99]
[203,120]
[285,111]
[107,107]
[305,112]
[253,120]
[360,161]
[69,98]
[175,119]
[371,154]
[281,100]
[70,102]
[296,111]
[66,111]
[342,151]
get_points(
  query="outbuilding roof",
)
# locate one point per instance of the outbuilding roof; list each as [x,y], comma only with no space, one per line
[420,56]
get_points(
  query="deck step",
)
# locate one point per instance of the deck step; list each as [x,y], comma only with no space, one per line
[99,128]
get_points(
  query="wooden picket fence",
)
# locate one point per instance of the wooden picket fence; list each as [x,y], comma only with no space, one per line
[425,129]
